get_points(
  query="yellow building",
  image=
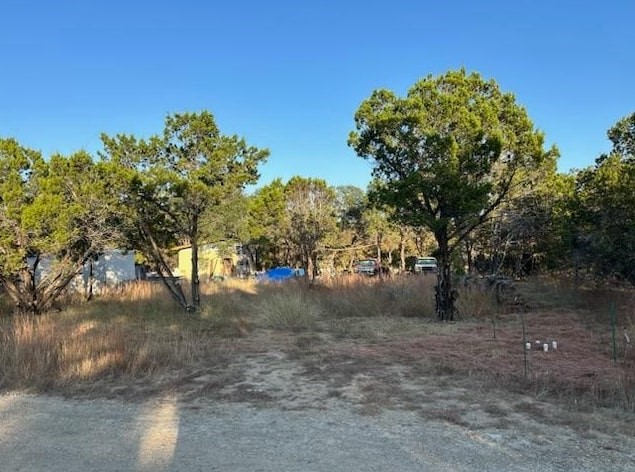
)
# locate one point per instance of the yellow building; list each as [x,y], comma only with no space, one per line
[211,264]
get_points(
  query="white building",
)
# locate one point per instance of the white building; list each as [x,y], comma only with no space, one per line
[111,268]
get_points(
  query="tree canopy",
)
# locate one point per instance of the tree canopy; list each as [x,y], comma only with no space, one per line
[446,156]
[52,210]
[605,206]
[456,160]
[171,182]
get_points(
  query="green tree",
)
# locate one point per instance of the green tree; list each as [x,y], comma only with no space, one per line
[382,229]
[52,213]
[606,232]
[605,196]
[310,210]
[173,181]
[622,135]
[532,229]
[447,155]
[378,229]
[350,204]
[265,240]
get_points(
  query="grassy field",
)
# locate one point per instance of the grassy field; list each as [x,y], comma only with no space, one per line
[379,337]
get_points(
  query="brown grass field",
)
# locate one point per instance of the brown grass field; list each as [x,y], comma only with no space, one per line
[373,342]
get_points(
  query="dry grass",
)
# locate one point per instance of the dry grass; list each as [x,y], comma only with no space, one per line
[366,297]
[289,309]
[135,337]
[115,341]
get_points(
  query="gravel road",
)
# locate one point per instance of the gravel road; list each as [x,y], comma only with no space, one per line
[40,433]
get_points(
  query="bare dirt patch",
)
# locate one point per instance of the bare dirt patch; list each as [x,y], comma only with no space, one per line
[468,375]
[457,374]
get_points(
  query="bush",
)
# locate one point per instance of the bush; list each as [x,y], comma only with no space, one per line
[289,310]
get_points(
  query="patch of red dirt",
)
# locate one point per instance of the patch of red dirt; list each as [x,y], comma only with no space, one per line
[582,360]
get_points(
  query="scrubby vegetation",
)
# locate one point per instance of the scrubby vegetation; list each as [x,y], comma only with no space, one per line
[136,339]
[528,259]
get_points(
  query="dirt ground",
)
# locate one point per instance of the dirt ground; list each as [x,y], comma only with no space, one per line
[365,393]
[165,434]
[371,394]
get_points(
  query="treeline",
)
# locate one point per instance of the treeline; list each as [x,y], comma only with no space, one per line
[459,173]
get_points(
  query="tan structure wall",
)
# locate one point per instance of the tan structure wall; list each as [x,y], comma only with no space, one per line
[210,264]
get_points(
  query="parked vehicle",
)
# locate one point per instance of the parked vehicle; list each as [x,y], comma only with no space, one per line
[426,265]
[369,267]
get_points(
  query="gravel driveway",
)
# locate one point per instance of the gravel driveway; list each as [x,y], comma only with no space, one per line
[40,433]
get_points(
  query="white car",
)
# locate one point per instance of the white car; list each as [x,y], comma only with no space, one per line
[426,265]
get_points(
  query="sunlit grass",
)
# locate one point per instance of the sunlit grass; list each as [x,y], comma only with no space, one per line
[95,342]
[138,334]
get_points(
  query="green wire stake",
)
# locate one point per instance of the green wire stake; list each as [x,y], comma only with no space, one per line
[525,353]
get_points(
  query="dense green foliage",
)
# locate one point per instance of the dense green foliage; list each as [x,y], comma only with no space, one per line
[53,217]
[460,173]
[172,183]
[265,240]
[447,155]
[311,217]
[289,224]
[605,207]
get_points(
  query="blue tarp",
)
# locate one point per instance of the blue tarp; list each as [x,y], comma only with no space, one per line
[278,274]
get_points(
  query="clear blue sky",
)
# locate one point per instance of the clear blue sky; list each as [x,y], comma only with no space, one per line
[290,75]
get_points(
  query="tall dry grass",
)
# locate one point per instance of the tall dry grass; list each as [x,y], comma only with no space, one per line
[132,334]
[137,334]
[355,296]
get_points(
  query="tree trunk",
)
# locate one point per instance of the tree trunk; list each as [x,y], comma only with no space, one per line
[252,258]
[163,268]
[32,297]
[445,296]
[402,252]
[11,290]
[419,243]
[91,279]
[310,266]
[54,289]
[28,282]
[22,297]
[468,254]
[309,254]
[195,282]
